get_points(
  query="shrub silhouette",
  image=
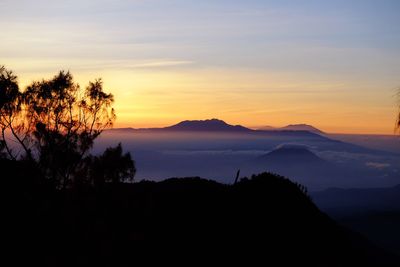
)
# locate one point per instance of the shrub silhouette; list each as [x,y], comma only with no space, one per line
[54,124]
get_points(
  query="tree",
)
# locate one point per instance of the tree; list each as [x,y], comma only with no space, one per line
[10,100]
[53,123]
[112,166]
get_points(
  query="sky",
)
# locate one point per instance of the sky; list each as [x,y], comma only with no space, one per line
[332,64]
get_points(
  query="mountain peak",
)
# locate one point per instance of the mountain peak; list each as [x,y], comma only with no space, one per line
[293,127]
[206,125]
[302,127]
[201,122]
[294,153]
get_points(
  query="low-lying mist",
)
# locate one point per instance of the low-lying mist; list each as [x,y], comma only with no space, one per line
[218,156]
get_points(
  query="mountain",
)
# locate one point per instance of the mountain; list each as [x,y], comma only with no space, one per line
[212,125]
[216,125]
[293,127]
[215,149]
[302,127]
[297,162]
[289,154]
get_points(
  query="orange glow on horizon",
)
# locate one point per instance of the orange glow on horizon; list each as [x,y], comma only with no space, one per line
[147,98]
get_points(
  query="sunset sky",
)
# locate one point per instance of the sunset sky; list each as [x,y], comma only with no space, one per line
[332,64]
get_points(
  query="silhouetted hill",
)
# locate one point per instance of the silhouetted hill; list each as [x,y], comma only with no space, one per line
[263,220]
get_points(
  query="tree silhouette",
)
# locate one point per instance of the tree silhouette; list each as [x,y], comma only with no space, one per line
[54,123]
[112,166]
[9,106]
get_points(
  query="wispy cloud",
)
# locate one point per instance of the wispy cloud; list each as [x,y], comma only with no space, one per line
[48,65]
[161,63]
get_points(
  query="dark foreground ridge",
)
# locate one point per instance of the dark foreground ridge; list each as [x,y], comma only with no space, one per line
[259,221]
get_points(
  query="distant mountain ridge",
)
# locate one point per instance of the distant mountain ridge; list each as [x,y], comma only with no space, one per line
[294,132]
[208,125]
[302,127]
[293,127]
[217,125]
